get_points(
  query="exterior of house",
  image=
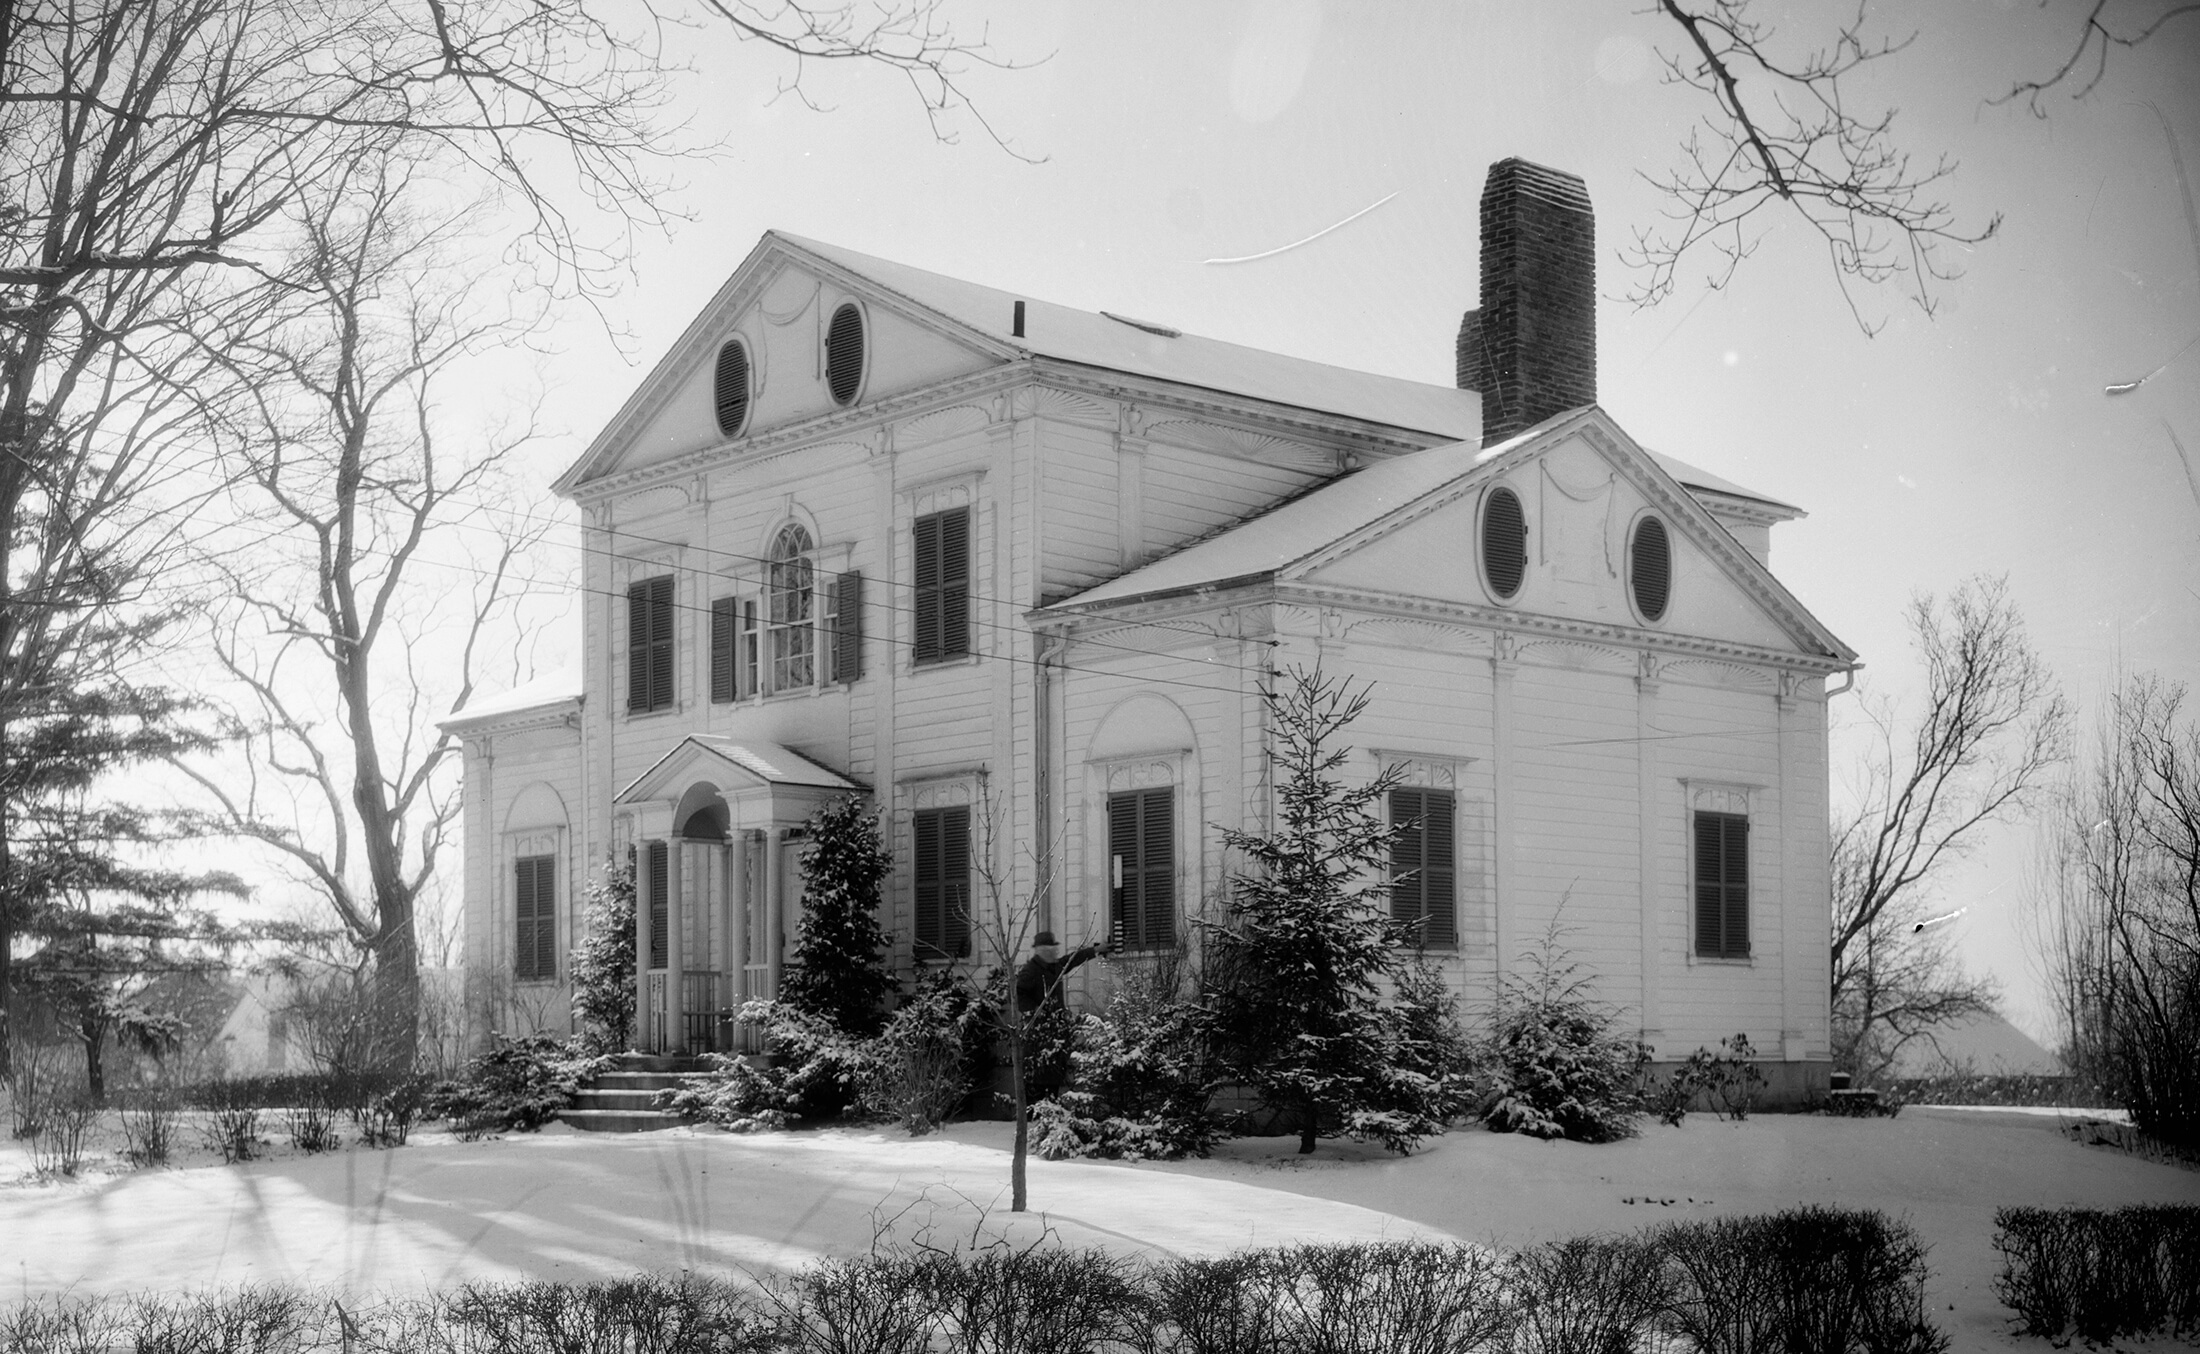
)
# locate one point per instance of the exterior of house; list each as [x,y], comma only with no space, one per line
[1018,573]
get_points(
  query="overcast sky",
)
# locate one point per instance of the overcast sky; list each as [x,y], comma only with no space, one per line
[1170,135]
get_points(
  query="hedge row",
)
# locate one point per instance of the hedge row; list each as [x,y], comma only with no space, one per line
[1979,1089]
[1808,1280]
[2103,1274]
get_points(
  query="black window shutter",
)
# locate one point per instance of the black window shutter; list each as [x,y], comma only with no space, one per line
[746,653]
[955,879]
[637,647]
[848,626]
[928,883]
[530,908]
[955,582]
[1142,845]
[1722,885]
[1123,867]
[926,648]
[660,907]
[724,625]
[660,642]
[1440,867]
[1407,882]
[943,883]
[1736,855]
[1157,830]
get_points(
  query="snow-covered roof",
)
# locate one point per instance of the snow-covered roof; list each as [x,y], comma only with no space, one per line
[1300,527]
[1099,339]
[558,687]
[1295,528]
[1691,477]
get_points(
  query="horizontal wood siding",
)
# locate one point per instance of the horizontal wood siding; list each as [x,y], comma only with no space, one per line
[1081,528]
[1191,493]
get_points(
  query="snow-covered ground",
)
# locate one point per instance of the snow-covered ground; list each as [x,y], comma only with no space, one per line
[577,1206]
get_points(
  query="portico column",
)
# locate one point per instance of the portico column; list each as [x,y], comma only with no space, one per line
[642,956]
[774,884]
[675,1019]
[737,920]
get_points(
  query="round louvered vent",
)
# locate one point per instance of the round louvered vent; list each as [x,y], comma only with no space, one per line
[733,387]
[1652,571]
[1504,542]
[844,354]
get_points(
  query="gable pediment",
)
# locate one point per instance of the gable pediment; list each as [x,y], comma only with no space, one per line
[780,305]
[1584,487]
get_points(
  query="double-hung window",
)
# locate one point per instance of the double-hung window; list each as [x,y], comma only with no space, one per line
[1424,866]
[649,637]
[535,892]
[1142,868]
[792,584]
[1722,884]
[943,882]
[942,575]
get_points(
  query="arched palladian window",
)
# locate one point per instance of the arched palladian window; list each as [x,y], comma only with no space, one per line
[793,586]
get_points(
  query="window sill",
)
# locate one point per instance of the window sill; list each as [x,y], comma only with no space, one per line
[1723,961]
[661,712]
[962,660]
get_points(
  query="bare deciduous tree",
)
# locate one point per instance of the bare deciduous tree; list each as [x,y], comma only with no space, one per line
[2116,911]
[1786,130]
[2099,34]
[1992,726]
[355,625]
[154,158]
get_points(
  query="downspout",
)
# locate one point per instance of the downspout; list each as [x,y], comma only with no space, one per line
[1848,681]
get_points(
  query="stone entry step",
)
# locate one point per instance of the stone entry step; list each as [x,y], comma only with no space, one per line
[624,1099]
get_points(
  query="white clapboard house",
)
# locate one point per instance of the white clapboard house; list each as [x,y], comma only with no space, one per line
[993,561]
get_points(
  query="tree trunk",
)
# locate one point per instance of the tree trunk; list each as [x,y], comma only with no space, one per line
[1309,1121]
[95,1067]
[1016,1191]
[396,991]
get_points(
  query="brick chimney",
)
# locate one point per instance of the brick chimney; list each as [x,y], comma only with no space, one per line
[1531,349]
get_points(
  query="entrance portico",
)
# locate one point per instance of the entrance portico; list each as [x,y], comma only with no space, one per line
[716,827]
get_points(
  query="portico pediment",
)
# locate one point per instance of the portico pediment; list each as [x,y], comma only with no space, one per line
[748,769]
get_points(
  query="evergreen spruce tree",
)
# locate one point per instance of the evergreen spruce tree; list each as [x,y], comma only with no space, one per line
[839,970]
[1295,1002]
[603,963]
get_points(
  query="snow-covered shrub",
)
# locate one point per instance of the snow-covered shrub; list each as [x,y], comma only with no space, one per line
[384,1116]
[1589,1293]
[1727,1082]
[1831,1279]
[2102,1274]
[57,1148]
[603,962]
[1140,1075]
[1554,1063]
[936,1050]
[231,1125]
[814,1071]
[1407,1297]
[644,1312]
[148,1124]
[1431,1039]
[1294,975]
[839,969]
[520,1084]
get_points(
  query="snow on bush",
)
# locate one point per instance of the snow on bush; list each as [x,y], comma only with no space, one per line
[1554,1063]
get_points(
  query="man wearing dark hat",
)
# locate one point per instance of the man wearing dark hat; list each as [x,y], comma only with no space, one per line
[1045,1019]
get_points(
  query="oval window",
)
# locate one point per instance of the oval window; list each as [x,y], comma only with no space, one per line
[844,353]
[1651,573]
[733,387]
[1504,542]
